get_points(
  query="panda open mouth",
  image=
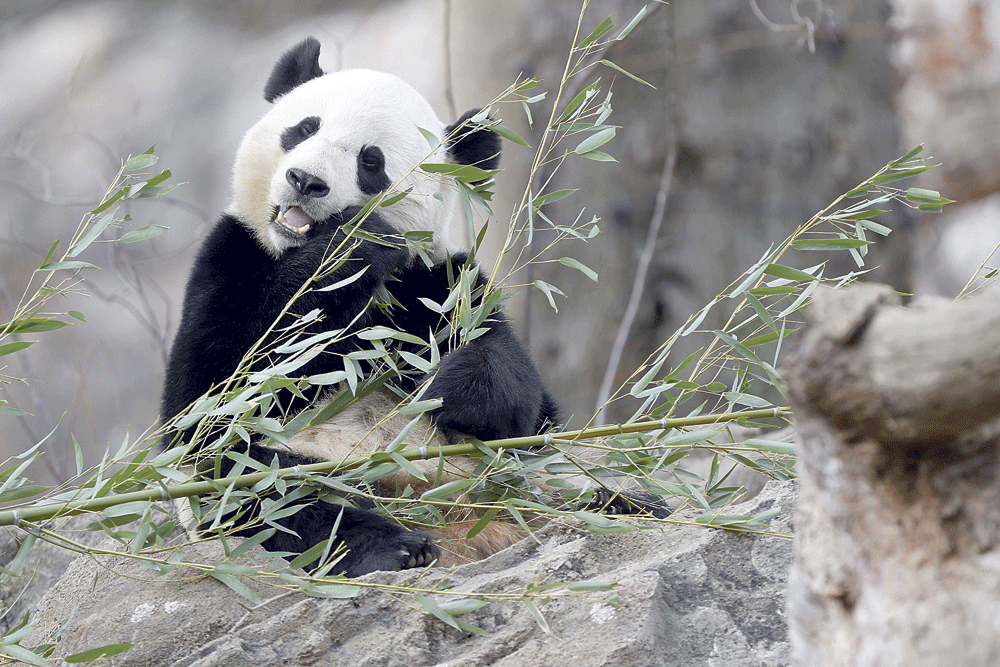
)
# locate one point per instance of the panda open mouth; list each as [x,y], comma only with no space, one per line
[295,219]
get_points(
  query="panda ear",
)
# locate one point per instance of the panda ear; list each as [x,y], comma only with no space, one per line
[298,65]
[478,147]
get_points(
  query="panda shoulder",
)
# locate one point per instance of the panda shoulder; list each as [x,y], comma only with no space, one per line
[228,250]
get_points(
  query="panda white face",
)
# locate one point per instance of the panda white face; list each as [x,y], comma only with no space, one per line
[333,142]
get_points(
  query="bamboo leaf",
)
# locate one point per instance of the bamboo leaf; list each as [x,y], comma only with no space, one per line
[892,177]
[70,266]
[16,346]
[94,230]
[509,135]
[579,266]
[234,584]
[828,244]
[605,26]
[788,273]
[142,234]
[550,197]
[141,161]
[594,141]
[613,66]
[631,24]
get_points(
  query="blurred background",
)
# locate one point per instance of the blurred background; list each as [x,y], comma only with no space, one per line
[762,112]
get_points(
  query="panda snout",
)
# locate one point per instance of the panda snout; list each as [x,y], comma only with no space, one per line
[307,184]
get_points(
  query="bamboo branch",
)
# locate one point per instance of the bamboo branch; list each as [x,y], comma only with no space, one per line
[35,513]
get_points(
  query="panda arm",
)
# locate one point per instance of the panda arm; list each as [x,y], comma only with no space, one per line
[236,291]
[489,386]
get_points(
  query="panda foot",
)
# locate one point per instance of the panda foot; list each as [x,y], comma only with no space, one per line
[405,550]
[629,502]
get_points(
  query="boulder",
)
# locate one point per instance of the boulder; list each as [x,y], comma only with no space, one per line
[685,595]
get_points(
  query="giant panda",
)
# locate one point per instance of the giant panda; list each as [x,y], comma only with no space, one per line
[329,143]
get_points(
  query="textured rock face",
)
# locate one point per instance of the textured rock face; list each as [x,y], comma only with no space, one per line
[686,595]
[897,410]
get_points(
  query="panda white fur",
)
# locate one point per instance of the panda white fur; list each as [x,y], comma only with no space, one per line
[329,143]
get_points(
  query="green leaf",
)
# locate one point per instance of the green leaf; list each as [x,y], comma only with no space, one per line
[613,66]
[447,617]
[904,158]
[875,227]
[151,192]
[773,290]
[539,619]
[12,412]
[632,24]
[892,177]
[33,325]
[98,653]
[313,553]
[22,492]
[788,273]
[159,178]
[575,102]
[509,135]
[574,264]
[432,139]
[10,348]
[93,231]
[771,446]
[766,338]
[335,377]
[591,586]
[601,524]
[922,194]
[18,652]
[595,140]
[548,289]
[828,244]
[143,233]
[598,156]
[762,313]
[333,591]
[857,215]
[601,30]
[234,583]
[141,161]
[419,407]
[107,203]
[465,173]
[461,606]
[396,197]
[550,197]
[689,437]
[70,266]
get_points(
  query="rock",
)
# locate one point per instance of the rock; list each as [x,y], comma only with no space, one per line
[103,600]
[685,595]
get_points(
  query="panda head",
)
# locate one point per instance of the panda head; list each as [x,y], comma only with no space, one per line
[335,140]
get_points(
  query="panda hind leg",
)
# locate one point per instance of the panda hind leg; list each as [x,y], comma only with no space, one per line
[457,549]
[631,502]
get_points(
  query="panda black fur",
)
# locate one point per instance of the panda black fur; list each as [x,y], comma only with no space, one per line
[330,143]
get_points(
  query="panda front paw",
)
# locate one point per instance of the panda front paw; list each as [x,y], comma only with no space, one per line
[402,551]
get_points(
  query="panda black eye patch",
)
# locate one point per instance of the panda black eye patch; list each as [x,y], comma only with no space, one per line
[296,134]
[372,178]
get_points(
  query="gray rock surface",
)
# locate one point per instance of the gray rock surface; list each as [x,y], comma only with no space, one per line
[686,595]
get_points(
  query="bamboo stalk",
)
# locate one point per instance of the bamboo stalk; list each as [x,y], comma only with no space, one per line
[35,513]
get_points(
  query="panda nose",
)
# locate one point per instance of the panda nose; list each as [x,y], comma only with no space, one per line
[306,183]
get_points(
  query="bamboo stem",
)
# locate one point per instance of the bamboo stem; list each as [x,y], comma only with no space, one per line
[36,513]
